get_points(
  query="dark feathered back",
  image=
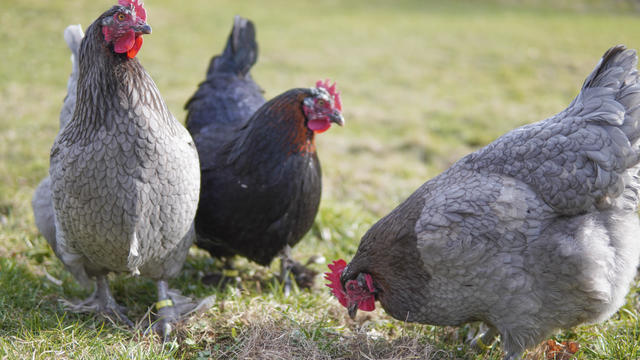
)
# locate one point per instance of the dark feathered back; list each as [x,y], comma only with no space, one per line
[228,96]
[278,128]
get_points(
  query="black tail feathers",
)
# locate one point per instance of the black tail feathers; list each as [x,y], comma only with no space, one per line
[241,51]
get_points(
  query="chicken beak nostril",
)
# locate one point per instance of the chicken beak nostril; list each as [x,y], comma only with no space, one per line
[144,28]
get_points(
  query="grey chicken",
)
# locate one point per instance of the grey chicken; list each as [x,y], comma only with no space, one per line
[537,231]
[41,202]
[124,172]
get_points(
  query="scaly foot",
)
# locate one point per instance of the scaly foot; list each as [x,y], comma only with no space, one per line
[303,275]
[100,302]
[484,342]
[173,307]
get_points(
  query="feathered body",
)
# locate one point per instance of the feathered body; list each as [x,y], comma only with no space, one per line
[261,182]
[535,232]
[73,35]
[42,202]
[261,178]
[124,172]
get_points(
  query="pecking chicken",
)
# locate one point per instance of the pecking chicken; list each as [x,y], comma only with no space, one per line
[261,178]
[535,232]
[124,173]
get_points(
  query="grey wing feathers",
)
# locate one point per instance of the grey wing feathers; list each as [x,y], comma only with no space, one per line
[73,37]
[43,211]
[584,156]
[44,216]
[42,202]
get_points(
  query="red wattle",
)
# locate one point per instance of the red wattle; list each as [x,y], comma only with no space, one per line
[319,125]
[131,53]
[368,304]
[125,42]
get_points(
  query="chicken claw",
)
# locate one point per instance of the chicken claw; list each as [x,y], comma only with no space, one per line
[102,302]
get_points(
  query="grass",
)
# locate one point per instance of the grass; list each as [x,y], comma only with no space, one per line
[423,83]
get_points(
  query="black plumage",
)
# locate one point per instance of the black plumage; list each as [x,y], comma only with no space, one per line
[228,96]
[261,177]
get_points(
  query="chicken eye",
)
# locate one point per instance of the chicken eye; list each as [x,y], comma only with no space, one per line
[120,16]
[321,102]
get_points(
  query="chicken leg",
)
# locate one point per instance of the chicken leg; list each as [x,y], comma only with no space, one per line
[513,356]
[286,263]
[301,273]
[228,275]
[484,341]
[173,307]
[101,301]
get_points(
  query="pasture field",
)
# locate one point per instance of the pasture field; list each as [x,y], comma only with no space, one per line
[423,83]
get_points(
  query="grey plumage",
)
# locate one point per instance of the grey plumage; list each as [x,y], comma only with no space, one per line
[43,211]
[124,178]
[535,232]
[42,202]
[73,35]
[124,173]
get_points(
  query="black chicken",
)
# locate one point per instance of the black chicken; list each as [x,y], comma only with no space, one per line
[261,178]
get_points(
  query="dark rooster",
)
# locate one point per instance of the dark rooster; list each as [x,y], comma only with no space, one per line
[124,172]
[261,178]
[535,232]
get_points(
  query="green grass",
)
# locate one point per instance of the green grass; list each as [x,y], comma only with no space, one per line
[423,83]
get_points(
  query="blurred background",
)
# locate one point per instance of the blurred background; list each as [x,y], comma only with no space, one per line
[422,82]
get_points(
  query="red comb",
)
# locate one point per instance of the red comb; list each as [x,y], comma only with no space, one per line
[332,91]
[137,5]
[334,278]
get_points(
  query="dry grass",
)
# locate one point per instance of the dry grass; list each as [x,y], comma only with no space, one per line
[269,330]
